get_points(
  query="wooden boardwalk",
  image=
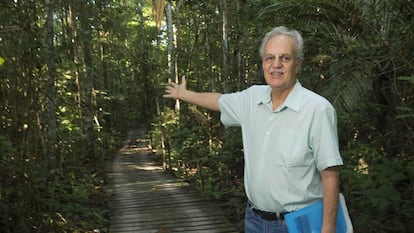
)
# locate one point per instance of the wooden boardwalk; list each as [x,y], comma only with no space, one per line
[145,199]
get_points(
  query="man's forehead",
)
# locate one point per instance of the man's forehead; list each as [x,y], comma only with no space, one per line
[280,44]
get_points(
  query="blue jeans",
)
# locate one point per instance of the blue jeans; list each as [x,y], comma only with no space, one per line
[253,223]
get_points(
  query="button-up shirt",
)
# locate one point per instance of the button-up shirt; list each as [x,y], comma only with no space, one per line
[285,149]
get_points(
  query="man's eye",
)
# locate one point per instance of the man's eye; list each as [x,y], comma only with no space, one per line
[269,58]
[285,58]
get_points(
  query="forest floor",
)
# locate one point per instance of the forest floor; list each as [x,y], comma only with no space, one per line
[143,198]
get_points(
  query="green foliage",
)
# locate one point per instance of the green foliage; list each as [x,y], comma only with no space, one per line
[35,199]
[76,203]
[407,78]
[379,192]
[63,191]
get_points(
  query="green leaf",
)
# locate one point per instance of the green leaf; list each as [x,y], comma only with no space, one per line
[407,78]
[2,60]
[410,171]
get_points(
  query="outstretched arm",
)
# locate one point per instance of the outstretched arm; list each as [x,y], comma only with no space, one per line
[208,100]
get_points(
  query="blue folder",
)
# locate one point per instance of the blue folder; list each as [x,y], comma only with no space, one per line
[309,219]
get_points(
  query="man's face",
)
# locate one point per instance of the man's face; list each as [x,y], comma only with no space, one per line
[280,63]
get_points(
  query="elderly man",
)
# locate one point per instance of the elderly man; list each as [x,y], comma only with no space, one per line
[289,133]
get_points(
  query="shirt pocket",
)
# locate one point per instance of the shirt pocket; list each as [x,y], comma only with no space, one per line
[294,148]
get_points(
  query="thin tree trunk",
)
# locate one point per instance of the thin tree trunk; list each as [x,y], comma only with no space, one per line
[225,45]
[171,60]
[87,79]
[240,70]
[145,66]
[71,31]
[51,92]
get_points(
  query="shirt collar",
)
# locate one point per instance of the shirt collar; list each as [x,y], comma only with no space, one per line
[292,101]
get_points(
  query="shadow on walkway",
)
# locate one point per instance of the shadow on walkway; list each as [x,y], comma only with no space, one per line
[145,199]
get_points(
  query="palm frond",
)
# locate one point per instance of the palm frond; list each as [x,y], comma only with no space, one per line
[353,91]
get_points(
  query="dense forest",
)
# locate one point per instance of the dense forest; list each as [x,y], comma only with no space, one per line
[76,75]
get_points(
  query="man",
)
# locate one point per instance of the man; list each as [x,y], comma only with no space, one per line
[289,133]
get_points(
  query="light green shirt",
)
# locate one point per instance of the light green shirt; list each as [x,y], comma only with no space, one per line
[285,150]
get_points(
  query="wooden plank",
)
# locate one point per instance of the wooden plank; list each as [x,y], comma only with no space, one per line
[145,199]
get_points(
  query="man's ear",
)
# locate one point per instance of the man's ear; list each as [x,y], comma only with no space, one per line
[298,67]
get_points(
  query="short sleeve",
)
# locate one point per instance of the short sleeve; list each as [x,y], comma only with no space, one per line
[324,138]
[231,108]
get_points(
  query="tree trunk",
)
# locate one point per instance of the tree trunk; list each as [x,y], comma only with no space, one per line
[51,92]
[240,73]
[171,60]
[145,65]
[87,79]
[73,52]
[225,45]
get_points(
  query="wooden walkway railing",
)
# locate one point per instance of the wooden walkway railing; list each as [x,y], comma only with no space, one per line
[145,199]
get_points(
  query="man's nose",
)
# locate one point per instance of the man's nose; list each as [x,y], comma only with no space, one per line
[277,61]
